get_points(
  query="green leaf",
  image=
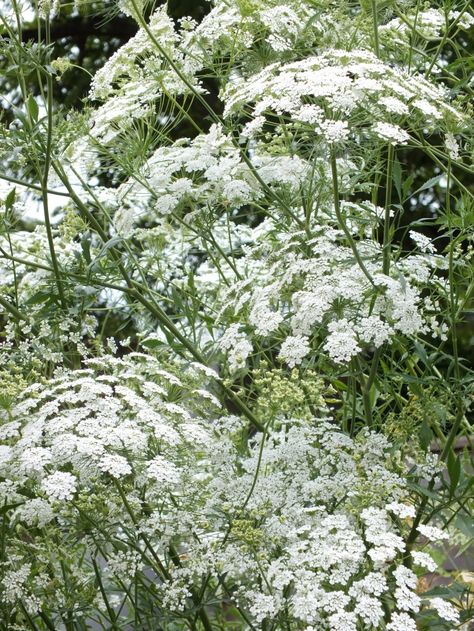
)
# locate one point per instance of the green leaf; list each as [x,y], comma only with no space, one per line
[152,343]
[466,525]
[111,243]
[397,178]
[454,470]
[429,184]
[39,297]
[86,250]
[421,353]
[406,186]
[10,199]
[32,107]
[424,491]
[426,435]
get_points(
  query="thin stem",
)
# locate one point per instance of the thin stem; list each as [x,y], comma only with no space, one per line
[375,20]
[412,33]
[13,310]
[35,187]
[44,179]
[453,308]
[388,203]
[340,218]
[365,394]
[443,41]
[110,611]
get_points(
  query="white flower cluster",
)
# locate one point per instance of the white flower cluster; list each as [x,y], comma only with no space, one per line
[314,292]
[124,479]
[97,424]
[430,24]
[328,93]
[305,507]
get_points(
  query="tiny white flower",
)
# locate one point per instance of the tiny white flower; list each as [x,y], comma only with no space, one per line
[294,349]
[59,486]
[432,533]
[393,134]
[445,610]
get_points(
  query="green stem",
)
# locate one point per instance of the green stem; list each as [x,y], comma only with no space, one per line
[443,41]
[44,179]
[412,33]
[340,218]
[36,187]
[388,203]
[365,394]
[110,611]
[453,308]
[375,21]
[13,310]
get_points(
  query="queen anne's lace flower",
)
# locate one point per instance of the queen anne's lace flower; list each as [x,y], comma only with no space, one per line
[392,133]
[265,216]
[238,346]
[445,610]
[401,622]
[432,533]
[324,292]
[183,474]
[424,560]
[59,486]
[294,349]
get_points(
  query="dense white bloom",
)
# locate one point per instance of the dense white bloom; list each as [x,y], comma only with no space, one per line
[424,560]
[432,533]
[392,133]
[445,610]
[335,131]
[401,622]
[163,470]
[16,588]
[238,346]
[424,243]
[59,486]
[341,343]
[452,146]
[294,349]
[401,510]
[35,512]
[262,606]
[114,464]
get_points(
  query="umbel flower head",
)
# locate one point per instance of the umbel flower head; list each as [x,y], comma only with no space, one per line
[138,465]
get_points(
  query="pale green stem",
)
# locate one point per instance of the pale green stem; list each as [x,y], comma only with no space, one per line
[44,179]
[388,203]
[35,187]
[13,310]
[453,308]
[375,20]
[340,218]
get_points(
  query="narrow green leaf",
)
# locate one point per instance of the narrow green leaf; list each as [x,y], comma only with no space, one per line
[454,470]
[426,435]
[10,199]
[32,107]
[397,178]
[429,184]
